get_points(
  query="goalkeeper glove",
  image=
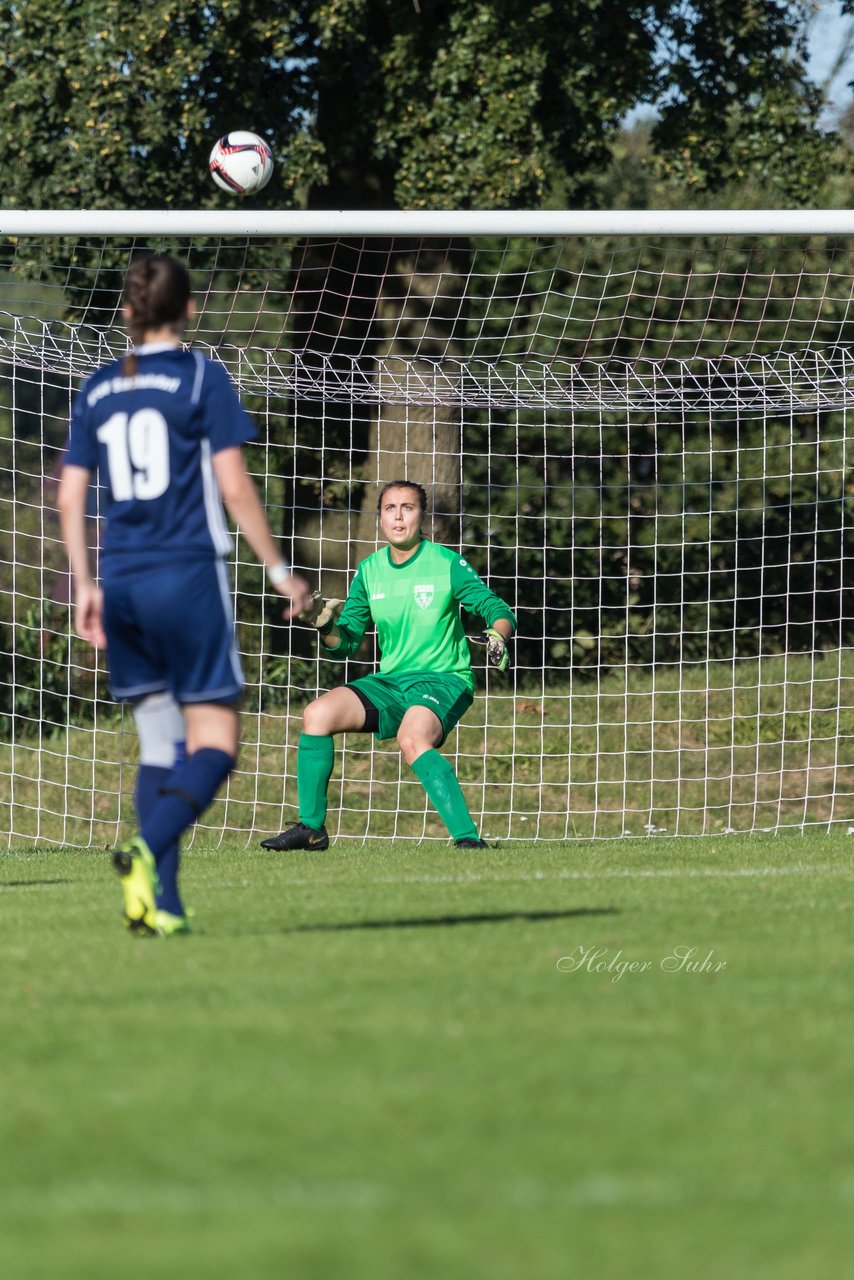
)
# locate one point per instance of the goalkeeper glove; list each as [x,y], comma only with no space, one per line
[497,653]
[321,614]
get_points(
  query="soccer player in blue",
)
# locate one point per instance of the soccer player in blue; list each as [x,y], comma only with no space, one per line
[163,429]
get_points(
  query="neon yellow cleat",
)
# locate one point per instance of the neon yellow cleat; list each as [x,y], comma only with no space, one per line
[134,864]
[168,925]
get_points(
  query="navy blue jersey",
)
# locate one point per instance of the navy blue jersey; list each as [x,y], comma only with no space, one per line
[151,439]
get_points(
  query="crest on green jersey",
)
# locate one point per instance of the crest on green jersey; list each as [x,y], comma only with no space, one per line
[423,595]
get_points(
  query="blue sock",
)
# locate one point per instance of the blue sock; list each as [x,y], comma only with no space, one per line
[190,789]
[150,782]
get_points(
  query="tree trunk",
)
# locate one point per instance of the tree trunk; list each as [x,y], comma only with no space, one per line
[385,317]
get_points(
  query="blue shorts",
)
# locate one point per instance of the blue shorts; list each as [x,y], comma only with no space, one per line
[172,630]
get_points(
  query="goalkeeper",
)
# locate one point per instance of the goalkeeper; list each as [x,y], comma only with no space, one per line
[412,590]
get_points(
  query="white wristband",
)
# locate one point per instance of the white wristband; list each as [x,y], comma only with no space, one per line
[278,572]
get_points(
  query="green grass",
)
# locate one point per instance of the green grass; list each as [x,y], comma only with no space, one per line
[694,749]
[369,1064]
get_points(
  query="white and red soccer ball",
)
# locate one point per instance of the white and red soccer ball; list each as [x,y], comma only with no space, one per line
[241,163]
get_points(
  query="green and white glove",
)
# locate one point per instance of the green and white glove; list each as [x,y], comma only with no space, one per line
[497,653]
[321,614]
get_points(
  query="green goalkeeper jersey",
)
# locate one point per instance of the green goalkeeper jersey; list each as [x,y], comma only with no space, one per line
[416,609]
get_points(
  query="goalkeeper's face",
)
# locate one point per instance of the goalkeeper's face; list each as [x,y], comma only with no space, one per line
[401,517]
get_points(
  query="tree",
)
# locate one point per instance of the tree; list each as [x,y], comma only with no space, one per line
[736,101]
[426,103]
[469,103]
[464,103]
[114,106]
[431,103]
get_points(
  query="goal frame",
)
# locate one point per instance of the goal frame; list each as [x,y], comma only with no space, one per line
[417,222]
[412,225]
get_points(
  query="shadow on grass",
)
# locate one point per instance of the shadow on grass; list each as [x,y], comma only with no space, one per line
[442,922]
[26,884]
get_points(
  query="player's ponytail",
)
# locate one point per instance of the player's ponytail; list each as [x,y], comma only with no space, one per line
[156,293]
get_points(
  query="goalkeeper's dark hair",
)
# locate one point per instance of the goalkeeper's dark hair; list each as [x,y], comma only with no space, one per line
[404,484]
[157,291]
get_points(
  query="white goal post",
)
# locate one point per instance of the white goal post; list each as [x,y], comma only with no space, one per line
[637,426]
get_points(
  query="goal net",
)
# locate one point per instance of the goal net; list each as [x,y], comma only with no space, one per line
[637,428]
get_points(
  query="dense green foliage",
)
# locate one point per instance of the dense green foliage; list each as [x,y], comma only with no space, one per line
[109,105]
[440,103]
[696,527]
[463,103]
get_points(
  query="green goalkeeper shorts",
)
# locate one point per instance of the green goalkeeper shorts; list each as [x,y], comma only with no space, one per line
[446,695]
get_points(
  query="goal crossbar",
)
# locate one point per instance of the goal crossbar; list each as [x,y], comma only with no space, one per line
[429,222]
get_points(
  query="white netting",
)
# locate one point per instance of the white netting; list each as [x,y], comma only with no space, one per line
[643,446]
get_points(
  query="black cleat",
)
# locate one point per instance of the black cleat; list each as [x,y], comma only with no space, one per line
[298,836]
[470,842]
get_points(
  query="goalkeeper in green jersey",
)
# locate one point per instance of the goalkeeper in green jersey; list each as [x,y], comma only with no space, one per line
[412,590]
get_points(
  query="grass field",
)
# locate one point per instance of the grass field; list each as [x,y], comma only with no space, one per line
[692,749]
[404,1062]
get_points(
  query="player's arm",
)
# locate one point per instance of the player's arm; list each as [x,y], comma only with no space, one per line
[341,630]
[88,601]
[504,627]
[475,596]
[244,506]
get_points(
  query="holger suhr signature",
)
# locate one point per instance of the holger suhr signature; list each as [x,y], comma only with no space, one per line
[602,960]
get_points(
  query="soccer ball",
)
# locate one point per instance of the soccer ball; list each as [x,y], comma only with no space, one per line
[241,162]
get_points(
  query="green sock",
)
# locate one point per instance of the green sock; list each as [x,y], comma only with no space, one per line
[315,757]
[440,782]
